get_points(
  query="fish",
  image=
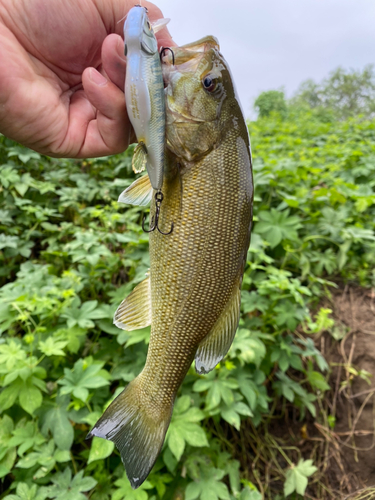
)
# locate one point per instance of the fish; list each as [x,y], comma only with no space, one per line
[191,296]
[144,93]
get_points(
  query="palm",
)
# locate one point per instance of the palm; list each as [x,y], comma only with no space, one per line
[48,100]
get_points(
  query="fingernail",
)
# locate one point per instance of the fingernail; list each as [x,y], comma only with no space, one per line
[97,77]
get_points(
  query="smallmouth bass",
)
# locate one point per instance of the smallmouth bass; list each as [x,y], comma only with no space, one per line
[192,295]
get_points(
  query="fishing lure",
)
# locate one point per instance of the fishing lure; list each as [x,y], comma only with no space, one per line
[144,93]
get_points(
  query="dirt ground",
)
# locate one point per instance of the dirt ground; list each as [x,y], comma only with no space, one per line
[341,438]
[350,466]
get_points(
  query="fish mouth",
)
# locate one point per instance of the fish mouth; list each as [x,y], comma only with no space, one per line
[188,66]
[185,59]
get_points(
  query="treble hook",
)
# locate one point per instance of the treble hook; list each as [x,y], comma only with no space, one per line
[163,49]
[155,220]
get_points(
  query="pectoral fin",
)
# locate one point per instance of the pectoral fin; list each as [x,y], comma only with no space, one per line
[135,311]
[216,344]
[138,193]
[139,159]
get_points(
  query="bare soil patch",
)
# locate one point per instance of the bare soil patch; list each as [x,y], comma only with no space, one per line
[341,439]
[351,461]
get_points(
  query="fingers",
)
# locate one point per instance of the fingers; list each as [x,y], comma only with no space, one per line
[113,59]
[108,132]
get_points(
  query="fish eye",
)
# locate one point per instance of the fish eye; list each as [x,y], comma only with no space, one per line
[148,25]
[209,83]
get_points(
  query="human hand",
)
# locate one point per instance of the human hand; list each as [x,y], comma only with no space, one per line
[53,99]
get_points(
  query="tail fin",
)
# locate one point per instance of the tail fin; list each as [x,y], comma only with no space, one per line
[137,427]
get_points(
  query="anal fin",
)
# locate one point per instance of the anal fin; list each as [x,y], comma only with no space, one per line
[216,344]
[134,312]
[138,193]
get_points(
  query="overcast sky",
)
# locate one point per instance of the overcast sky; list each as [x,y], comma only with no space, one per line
[271,44]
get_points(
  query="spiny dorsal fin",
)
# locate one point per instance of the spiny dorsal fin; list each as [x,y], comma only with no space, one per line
[216,344]
[138,193]
[135,311]
[139,159]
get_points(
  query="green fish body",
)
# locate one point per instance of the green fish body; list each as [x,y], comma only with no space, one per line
[192,295]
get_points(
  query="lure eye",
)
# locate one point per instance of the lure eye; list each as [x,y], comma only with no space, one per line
[209,83]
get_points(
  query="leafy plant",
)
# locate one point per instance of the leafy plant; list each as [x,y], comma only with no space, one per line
[296,477]
[69,254]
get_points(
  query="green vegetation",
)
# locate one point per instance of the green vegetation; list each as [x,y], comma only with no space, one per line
[69,253]
[344,94]
[269,102]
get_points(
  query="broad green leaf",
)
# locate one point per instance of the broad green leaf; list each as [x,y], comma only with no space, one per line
[52,347]
[232,417]
[276,226]
[176,441]
[247,348]
[8,396]
[30,398]
[7,462]
[26,436]
[57,421]
[208,486]
[82,378]
[84,315]
[125,491]
[100,448]
[184,428]
[317,380]
[248,494]
[66,488]
[220,387]
[296,477]
[25,492]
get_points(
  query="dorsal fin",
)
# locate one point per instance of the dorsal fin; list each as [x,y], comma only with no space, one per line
[134,312]
[216,344]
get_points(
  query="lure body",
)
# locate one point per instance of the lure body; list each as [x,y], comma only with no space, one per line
[144,94]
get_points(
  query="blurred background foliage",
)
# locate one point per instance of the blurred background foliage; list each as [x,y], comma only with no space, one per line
[69,253]
[343,94]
